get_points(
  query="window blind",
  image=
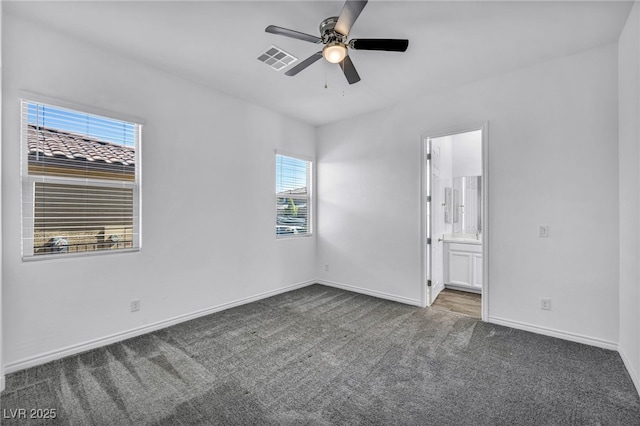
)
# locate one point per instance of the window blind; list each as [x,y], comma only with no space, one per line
[293,202]
[80,182]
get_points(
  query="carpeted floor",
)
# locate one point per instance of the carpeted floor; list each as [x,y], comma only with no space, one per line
[322,356]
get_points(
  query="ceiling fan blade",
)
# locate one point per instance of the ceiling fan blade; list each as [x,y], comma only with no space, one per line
[350,12]
[302,65]
[291,33]
[387,44]
[349,70]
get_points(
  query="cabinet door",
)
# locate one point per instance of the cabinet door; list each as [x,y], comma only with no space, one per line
[460,268]
[477,270]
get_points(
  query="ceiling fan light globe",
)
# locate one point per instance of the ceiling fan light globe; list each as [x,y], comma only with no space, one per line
[334,53]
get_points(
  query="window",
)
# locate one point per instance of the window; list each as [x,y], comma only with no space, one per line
[80,182]
[293,200]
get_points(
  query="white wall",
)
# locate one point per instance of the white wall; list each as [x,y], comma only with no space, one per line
[629,128]
[467,154]
[1,310]
[552,160]
[208,211]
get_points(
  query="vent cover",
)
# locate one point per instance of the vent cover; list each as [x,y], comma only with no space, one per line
[277,58]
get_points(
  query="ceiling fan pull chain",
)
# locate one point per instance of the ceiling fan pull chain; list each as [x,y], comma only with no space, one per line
[325,78]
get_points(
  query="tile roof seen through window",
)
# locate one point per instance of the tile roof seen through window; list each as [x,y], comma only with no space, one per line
[74,146]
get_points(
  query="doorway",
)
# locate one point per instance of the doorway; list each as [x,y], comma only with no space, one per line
[455,206]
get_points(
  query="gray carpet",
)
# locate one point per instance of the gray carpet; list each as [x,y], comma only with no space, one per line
[322,356]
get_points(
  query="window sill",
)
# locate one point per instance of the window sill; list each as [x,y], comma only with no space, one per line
[37,258]
[292,236]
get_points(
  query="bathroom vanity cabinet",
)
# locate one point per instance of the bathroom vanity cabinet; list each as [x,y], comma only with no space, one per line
[463,266]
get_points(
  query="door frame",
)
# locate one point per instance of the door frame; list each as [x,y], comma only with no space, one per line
[425,249]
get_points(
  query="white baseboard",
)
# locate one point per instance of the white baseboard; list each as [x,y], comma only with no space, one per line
[368,292]
[573,337]
[117,337]
[635,377]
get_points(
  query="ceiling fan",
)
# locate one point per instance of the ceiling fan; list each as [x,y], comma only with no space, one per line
[333,34]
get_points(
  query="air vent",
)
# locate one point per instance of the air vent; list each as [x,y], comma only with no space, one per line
[277,58]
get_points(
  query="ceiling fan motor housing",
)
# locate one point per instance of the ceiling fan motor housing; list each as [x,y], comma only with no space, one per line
[328,32]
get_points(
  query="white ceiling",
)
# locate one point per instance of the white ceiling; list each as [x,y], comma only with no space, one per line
[217,43]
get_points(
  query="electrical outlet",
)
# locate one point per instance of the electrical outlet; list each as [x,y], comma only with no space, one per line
[135,305]
[326,267]
[545,304]
[543,231]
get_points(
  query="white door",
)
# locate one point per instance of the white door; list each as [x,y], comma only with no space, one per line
[437,223]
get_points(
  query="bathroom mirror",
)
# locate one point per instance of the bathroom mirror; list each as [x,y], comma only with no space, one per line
[456,209]
[467,205]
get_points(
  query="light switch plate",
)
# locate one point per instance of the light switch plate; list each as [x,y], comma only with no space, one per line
[543,231]
[545,304]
